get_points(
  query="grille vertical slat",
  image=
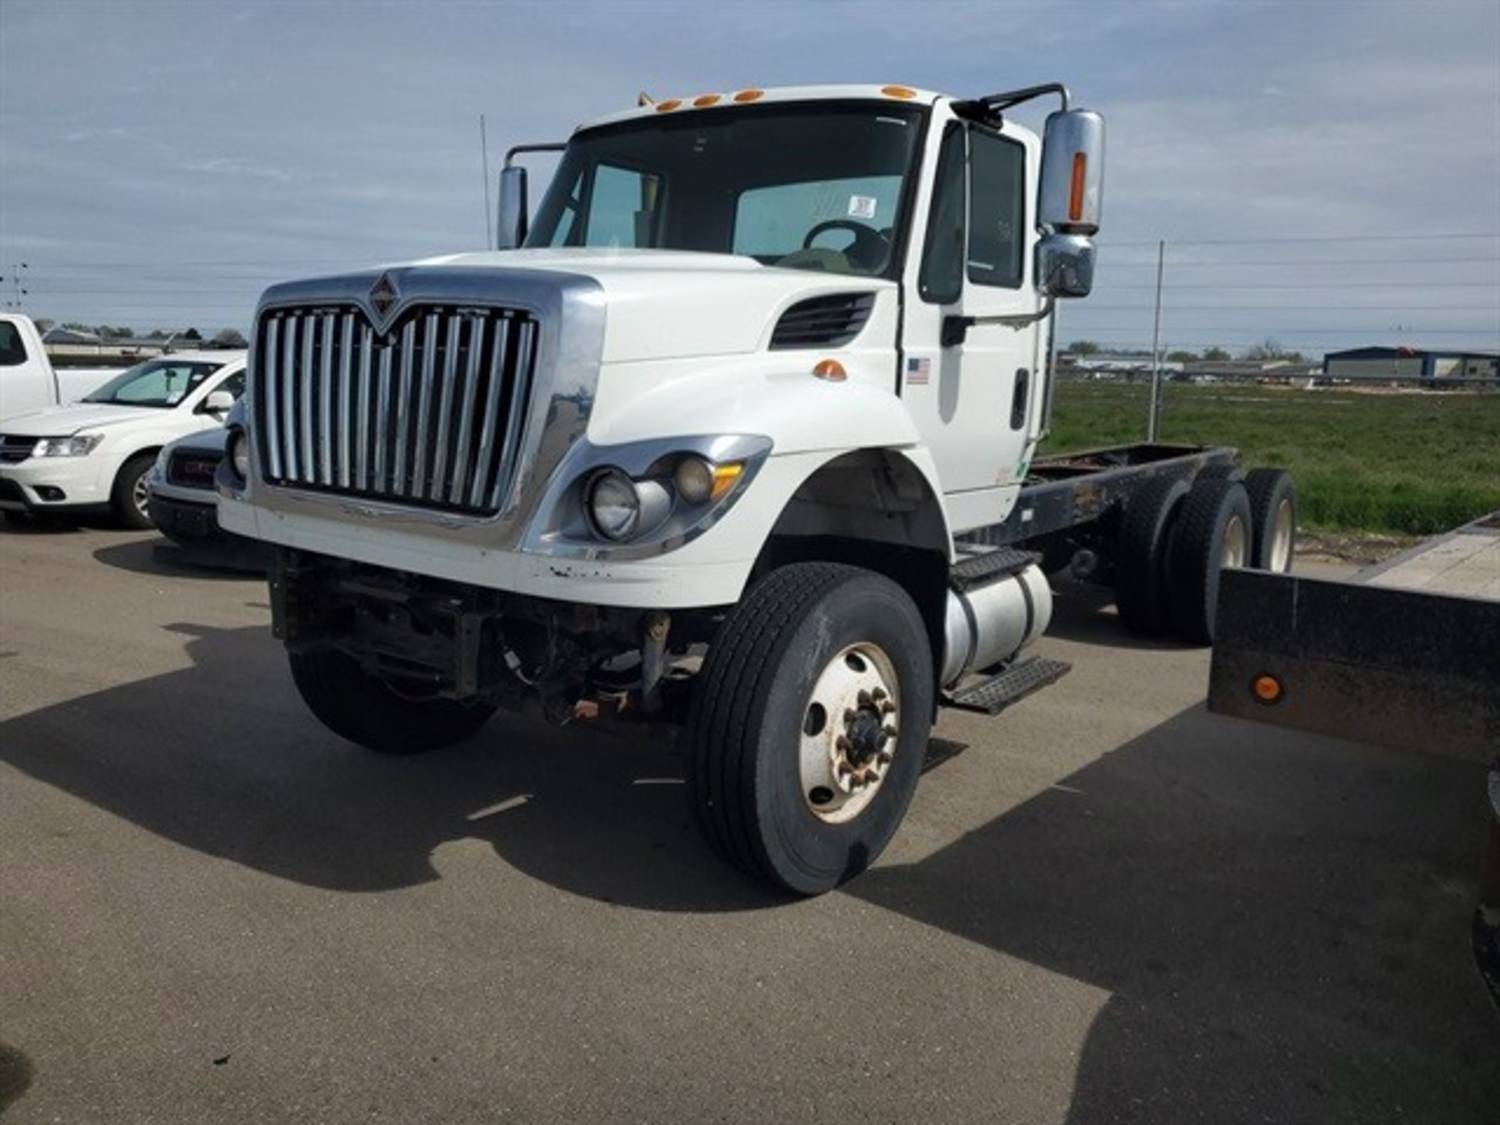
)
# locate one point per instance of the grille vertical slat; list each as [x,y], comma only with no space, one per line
[362,406]
[423,443]
[445,410]
[466,410]
[346,393]
[403,408]
[305,453]
[492,402]
[520,393]
[382,483]
[325,402]
[432,414]
[266,376]
[287,390]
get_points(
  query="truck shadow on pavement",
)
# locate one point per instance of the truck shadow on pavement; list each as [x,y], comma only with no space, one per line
[1281,921]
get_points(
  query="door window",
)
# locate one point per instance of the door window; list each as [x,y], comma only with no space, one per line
[942,277]
[12,350]
[997,210]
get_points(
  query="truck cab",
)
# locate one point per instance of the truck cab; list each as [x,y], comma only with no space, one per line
[700,443]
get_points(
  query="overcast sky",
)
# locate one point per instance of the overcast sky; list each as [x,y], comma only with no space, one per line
[161,162]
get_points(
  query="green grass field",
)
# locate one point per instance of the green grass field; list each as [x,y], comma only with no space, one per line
[1406,463]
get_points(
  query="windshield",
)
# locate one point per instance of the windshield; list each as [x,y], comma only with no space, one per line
[157,382]
[817,186]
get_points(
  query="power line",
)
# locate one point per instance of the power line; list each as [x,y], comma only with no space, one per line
[1107,242]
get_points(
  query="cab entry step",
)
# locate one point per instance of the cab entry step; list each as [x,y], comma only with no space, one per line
[995,694]
[976,570]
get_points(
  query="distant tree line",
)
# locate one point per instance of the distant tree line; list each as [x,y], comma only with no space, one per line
[1268,349]
[223,338]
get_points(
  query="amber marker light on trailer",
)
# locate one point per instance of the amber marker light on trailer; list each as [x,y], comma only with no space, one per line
[1075,197]
[830,369]
[1266,689]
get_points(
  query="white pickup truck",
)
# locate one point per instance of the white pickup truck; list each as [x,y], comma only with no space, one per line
[737,435]
[28,381]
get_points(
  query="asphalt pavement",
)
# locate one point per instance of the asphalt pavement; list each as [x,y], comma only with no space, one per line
[1105,905]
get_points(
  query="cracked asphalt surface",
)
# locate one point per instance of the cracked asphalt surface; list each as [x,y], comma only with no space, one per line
[1105,905]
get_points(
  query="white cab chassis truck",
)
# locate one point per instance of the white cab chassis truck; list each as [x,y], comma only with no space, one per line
[737,434]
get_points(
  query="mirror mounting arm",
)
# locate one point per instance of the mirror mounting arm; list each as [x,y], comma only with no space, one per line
[956,328]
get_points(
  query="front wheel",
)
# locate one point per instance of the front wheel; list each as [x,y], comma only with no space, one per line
[366,710]
[129,496]
[810,724]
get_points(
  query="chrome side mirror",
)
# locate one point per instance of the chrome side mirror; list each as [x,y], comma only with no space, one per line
[1072,187]
[511,231]
[1065,265]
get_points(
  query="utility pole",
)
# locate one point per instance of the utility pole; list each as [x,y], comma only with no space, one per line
[484,160]
[1155,421]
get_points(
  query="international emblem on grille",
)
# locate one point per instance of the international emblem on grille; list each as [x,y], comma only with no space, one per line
[383,294]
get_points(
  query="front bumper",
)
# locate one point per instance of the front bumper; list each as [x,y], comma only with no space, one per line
[196,521]
[48,483]
[711,570]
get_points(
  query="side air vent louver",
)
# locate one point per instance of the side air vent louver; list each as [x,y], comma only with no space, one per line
[823,322]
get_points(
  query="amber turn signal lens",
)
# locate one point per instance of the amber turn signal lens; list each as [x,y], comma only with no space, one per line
[705,100]
[1075,197]
[898,91]
[749,95]
[725,477]
[668,105]
[830,369]
[1267,689]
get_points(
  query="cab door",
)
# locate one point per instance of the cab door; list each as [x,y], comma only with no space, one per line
[969,381]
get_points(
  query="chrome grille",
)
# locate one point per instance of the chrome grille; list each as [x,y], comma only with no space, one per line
[429,414]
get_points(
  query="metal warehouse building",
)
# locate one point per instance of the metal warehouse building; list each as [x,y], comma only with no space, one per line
[1409,363]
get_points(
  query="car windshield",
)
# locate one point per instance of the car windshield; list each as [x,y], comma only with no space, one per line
[157,382]
[818,186]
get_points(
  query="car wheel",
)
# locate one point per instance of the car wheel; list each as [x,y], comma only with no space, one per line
[128,499]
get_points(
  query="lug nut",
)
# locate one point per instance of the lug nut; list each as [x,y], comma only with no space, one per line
[850,714]
[887,707]
[878,694]
[841,743]
[884,757]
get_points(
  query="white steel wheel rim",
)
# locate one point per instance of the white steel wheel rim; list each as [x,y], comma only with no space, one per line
[1281,537]
[850,727]
[1236,542]
[139,494]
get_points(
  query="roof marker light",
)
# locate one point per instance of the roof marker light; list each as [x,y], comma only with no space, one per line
[705,100]
[668,106]
[749,95]
[898,92]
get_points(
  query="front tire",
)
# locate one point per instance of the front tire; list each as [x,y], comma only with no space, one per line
[810,724]
[362,708]
[127,499]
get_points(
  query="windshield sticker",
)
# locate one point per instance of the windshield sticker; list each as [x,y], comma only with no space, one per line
[861,206]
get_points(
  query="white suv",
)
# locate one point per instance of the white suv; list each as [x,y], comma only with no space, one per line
[95,454]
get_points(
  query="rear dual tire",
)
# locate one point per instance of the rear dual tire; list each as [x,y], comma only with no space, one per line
[1175,540]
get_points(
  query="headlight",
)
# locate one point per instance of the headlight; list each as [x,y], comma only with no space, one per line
[694,479]
[79,446]
[614,506]
[239,454]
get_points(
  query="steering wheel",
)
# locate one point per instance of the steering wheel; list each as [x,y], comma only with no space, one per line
[868,249]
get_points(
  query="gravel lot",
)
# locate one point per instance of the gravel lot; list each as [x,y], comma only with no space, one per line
[1105,905]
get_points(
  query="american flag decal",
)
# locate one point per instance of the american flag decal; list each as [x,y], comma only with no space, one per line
[917,372]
